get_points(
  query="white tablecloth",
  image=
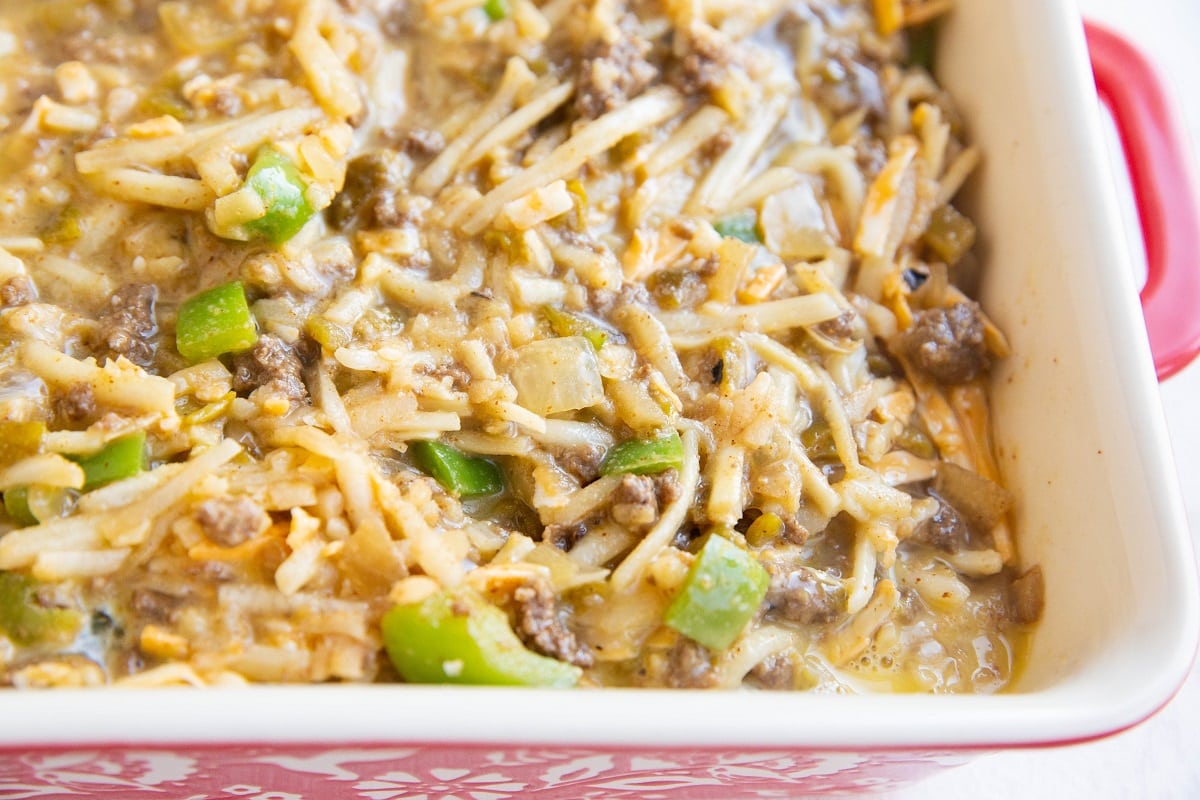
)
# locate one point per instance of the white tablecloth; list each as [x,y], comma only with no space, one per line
[1158,759]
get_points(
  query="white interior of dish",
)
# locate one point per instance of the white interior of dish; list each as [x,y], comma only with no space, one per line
[1079,426]
[1081,441]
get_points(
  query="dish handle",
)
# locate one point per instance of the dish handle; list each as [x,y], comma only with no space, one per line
[1164,189]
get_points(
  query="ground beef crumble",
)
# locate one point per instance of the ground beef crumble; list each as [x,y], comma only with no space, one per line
[127,326]
[540,625]
[272,364]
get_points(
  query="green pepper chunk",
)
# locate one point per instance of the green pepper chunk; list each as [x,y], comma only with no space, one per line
[644,456]
[165,102]
[917,442]
[458,637]
[950,234]
[327,334]
[511,246]
[818,441]
[32,505]
[458,473]
[721,593]
[922,45]
[24,621]
[64,229]
[120,458]
[275,178]
[564,323]
[742,226]
[215,322]
[16,505]
[496,10]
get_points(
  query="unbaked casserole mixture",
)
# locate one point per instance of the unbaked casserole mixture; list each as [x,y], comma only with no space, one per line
[515,342]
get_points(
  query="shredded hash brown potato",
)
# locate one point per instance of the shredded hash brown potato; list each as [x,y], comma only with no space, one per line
[541,342]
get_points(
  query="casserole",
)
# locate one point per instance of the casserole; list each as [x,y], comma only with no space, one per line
[1081,442]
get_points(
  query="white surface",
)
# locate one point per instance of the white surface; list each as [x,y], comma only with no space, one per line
[1157,759]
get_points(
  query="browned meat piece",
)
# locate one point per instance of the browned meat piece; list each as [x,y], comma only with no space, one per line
[337,266]
[605,301]
[870,154]
[371,181]
[17,291]
[709,56]
[717,145]
[946,529]
[838,329]
[793,531]
[153,606]
[401,17]
[948,344]
[460,376]
[229,521]
[272,363]
[582,461]
[1028,596]
[797,593]
[128,326]
[564,536]
[776,673]
[77,404]
[226,102]
[847,80]
[211,571]
[635,503]
[980,501]
[541,627]
[423,143]
[667,488]
[611,74]
[689,666]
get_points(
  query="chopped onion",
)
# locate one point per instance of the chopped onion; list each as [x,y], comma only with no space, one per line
[794,224]
[554,375]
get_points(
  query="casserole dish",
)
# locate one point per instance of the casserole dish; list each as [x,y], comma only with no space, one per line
[1081,443]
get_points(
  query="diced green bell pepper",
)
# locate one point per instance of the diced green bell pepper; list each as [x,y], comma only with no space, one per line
[564,323]
[818,441]
[64,229]
[16,505]
[24,621]
[950,234]
[644,456]
[166,102]
[329,335]
[31,505]
[458,637]
[276,179]
[721,593]
[458,473]
[916,441]
[922,45]
[120,458]
[496,10]
[742,226]
[215,322]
